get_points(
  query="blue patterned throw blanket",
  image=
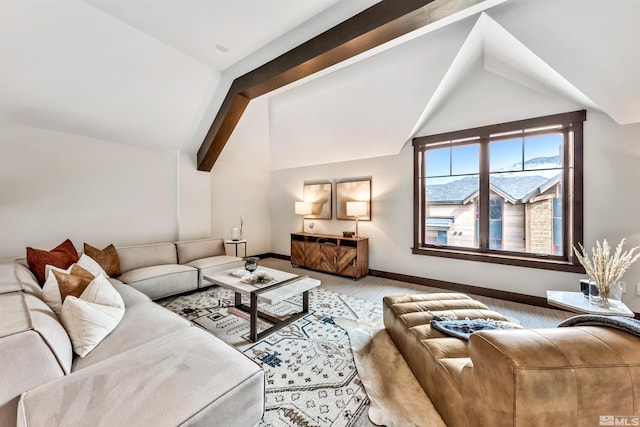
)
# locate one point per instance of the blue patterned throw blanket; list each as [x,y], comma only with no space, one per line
[464,328]
[626,324]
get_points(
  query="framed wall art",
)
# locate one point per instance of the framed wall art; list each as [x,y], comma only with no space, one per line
[353,190]
[320,195]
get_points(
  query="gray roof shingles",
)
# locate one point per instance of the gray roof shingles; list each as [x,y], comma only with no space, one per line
[517,188]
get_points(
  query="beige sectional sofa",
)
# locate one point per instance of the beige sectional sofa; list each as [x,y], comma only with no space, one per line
[154,368]
[165,269]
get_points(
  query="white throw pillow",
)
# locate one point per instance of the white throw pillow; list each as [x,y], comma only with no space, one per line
[91,265]
[90,318]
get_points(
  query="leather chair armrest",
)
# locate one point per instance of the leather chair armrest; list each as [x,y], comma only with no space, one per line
[555,376]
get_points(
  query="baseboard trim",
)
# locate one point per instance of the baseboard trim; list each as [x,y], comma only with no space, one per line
[467,289]
[452,286]
[274,255]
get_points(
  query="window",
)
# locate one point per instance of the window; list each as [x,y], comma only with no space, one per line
[511,193]
[437,237]
[437,230]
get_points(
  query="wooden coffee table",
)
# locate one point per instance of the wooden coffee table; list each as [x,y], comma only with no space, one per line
[283,286]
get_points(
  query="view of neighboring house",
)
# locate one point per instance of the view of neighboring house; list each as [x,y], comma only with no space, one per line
[519,204]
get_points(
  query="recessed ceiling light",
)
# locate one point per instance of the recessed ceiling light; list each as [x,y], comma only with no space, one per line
[222,48]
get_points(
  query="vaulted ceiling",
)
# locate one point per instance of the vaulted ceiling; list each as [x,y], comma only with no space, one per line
[142,72]
[154,73]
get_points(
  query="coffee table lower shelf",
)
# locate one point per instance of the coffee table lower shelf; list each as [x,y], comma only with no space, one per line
[255,313]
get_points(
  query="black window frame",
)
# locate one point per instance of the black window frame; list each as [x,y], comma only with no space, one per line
[572,189]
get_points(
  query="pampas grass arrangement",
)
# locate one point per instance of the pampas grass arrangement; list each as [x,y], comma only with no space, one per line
[605,268]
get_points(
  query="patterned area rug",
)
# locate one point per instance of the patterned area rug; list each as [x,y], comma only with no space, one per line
[311,378]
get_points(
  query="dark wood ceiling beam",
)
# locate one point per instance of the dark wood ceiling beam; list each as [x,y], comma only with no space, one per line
[370,28]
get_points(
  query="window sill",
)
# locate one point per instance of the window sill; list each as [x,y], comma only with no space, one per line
[542,263]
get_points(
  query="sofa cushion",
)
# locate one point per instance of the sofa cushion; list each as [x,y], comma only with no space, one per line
[26,362]
[61,256]
[213,265]
[17,277]
[196,249]
[134,257]
[107,258]
[21,312]
[130,295]
[141,323]
[217,263]
[186,378]
[159,281]
[88,319]
[28,280]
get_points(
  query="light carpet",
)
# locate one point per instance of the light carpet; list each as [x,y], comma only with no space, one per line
[311,377]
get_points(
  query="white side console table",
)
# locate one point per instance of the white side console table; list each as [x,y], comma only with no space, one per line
[578,303]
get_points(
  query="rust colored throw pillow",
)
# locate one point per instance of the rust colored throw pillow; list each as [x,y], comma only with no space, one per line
[62,256]
[107,258]
[73,283]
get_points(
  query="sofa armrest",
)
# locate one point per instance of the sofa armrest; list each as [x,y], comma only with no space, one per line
[188,377]
[561,376]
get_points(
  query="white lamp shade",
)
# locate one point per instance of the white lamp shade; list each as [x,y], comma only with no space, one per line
[303,208]
[356,209]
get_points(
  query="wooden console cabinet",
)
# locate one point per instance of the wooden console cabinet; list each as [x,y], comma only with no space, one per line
[347,256]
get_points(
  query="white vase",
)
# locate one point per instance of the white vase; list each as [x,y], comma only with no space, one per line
[235,233]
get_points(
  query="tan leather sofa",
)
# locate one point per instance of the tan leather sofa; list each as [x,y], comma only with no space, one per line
[538,377]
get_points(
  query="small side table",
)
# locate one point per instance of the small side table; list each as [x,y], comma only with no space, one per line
[578,303]
[236,243]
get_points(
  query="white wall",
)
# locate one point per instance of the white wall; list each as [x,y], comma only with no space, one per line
[390,231]
[241,180]
[56,185]
[194,199]
[612,156]
[612,209]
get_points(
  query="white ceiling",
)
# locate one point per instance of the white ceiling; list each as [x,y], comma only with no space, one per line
[204,29]
[142,72]
[149,73]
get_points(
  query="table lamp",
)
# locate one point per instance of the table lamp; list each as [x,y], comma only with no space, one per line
[303,208]
[356,209]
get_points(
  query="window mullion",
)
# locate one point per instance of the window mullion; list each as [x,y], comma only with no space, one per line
[483,195]
[577,185]
[423,195]
[419,199]
[567,199]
